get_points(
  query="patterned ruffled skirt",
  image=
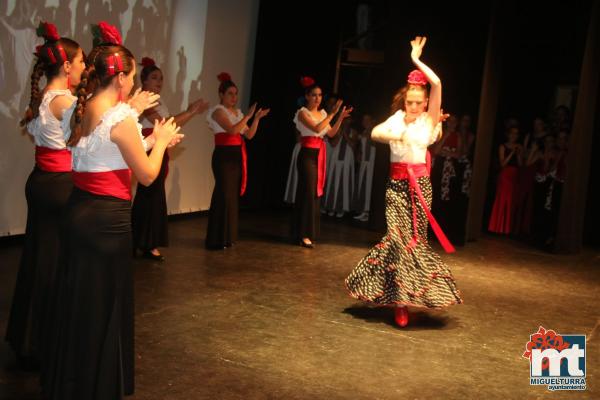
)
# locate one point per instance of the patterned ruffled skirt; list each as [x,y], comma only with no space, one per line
[393,272]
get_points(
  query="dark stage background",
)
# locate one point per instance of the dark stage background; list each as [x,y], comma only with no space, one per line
[542,49]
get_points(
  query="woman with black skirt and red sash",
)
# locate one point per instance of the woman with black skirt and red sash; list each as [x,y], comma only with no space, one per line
[149,211]
[48,187]
[402,269]
[230,126]
[313,124]
[94,353]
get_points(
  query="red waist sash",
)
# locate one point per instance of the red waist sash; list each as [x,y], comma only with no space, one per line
[315,142]
[227,139]
[53,160]
[115,183]
[410,172]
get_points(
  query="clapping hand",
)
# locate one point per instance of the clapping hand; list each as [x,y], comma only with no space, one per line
[143,100]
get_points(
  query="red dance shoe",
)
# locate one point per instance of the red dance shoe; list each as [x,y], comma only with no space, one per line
[401,316]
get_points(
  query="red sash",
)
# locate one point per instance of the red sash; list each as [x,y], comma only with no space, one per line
[411,172]
[115,183]
[147,132]
[315,142]
[227,139]
[53,160]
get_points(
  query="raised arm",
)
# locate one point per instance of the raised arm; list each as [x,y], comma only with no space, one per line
[307,121]
[435,95]
[254,126]
[144,167]
[220,116]
[345,113]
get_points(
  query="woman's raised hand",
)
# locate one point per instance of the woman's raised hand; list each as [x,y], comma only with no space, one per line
[142,100]
[417,47]
[251,111]
[262,112]
[166,131]
[198,106]
[337,106]
[346,112]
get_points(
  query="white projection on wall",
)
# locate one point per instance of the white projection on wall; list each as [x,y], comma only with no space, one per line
[175,33]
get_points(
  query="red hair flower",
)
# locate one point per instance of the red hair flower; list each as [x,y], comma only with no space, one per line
[224,77]
[37,50]
[306,81]
[416,77]
[47,31]
[106,33]
[147,62]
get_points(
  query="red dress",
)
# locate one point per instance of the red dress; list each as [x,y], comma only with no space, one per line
[501,219]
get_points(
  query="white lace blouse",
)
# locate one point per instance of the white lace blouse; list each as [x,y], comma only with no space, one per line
[305,130]
[46,129]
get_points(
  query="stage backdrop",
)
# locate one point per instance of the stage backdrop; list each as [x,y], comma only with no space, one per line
[191,40]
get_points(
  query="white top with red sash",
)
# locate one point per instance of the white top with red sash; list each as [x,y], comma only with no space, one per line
[51,153]
[314,140]
[222,138]
[98,166]
[411,160]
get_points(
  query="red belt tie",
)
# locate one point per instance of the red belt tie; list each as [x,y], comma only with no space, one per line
[411,172]
[315,142]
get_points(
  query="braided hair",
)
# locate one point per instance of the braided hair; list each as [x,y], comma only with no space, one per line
[50,61]
[99,73]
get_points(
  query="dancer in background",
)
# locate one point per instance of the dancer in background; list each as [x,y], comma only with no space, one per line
[313,125]
[230,126]
[60,61]
[94,353]
[366,165]
[403,269]
[509,154]
[340,177]
[149,211]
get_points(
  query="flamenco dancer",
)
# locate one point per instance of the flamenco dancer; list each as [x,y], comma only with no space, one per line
[149,211]
[94,352]
[47,189]
[403,269]
[313,124]
[230,126]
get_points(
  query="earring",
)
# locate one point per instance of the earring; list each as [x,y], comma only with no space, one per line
[120,97]
[68,80]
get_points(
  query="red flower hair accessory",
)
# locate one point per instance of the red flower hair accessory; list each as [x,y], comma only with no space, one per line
[416,77]
[224,77]
[47,31]
[147,62]
[306,81]
[106,33]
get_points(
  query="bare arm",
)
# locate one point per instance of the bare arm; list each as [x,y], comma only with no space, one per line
[220,116]
[58,105]
[144,167]
[254,126]
[345,113]
[195,108]
[435,95]
[308,122]
[504,159]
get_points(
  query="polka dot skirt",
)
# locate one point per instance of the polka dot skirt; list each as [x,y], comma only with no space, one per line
[392,273]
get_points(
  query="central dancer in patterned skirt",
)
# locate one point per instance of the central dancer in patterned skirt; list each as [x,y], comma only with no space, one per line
[403,269]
